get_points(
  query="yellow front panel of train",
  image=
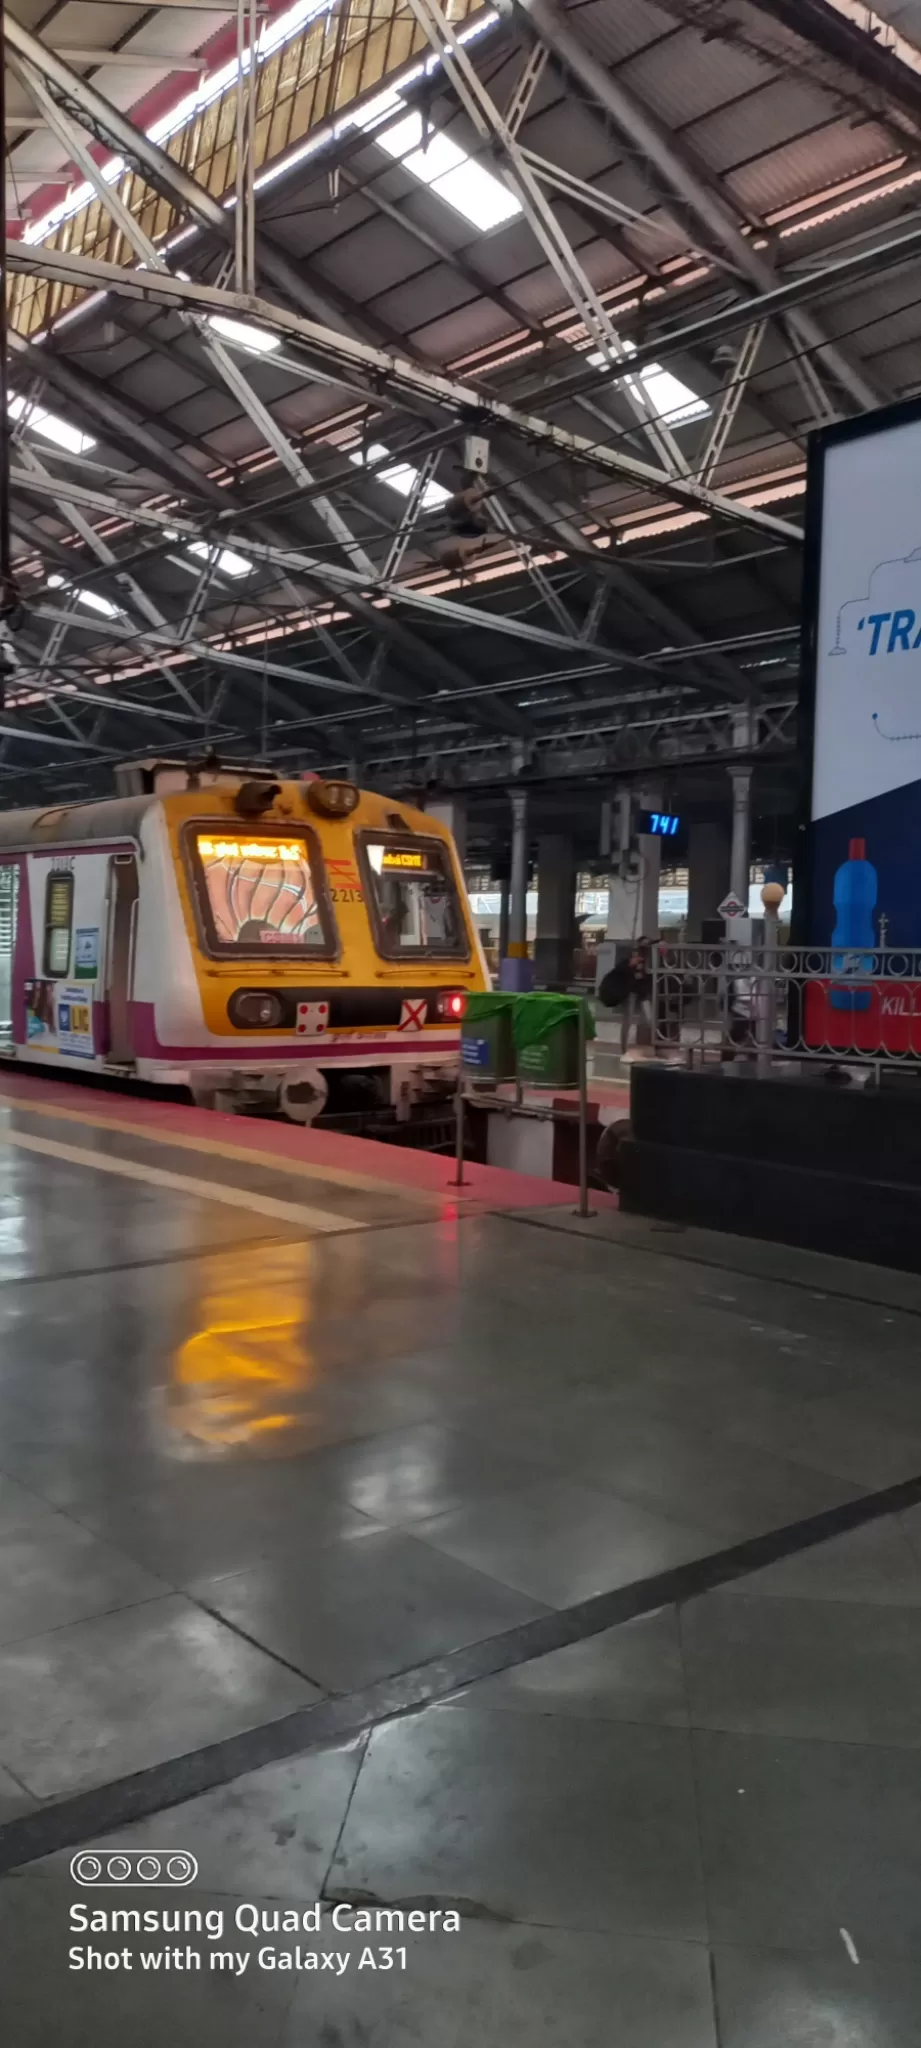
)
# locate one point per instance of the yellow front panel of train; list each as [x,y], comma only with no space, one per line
[320,914]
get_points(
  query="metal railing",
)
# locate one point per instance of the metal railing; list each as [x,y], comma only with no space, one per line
[770,1003]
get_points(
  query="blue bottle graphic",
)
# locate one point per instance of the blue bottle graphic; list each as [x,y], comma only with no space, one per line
[855,901]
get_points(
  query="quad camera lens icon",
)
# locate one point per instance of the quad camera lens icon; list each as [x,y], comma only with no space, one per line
[141,1867]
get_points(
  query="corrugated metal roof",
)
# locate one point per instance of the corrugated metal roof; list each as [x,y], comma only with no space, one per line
[814,161]
[619,32]
[685,78]
[781,111]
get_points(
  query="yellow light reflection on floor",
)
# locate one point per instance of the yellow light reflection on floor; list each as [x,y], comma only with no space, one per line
[233,1379]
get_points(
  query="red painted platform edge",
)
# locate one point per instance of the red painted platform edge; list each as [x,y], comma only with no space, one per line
[485,1187]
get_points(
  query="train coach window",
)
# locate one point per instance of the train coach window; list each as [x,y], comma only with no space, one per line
[59,910]
[412,895]
[259,895]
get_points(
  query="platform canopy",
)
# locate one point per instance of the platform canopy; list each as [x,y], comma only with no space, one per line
[638,250]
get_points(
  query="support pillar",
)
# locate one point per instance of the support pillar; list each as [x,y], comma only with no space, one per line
[633,900]
[515,969]
[556,905]
[741,857]
[708,873]
[650,850]
[452,812]
[743,737]
[503,916]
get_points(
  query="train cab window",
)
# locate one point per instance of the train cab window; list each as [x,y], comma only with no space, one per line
[413,899]
[59,911]
[259,894]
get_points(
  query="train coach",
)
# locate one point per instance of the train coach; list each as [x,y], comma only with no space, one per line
[266,944]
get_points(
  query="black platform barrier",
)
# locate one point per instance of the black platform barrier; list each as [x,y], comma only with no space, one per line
[794,1158]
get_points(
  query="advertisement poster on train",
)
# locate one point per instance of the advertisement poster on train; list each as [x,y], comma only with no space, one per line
[75,1023]
[86,953]
[41,1024]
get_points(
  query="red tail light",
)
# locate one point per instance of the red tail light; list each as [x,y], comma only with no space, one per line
[452,1003]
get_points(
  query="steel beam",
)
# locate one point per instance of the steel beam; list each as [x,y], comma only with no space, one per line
[110,126]
[367,370]
[732,398]
[37,737]
[766,305]
[519,176]
[571,52]
[412,510]
[344,582]
[114,419]
[715,672]
[526,84]
[859,49]
[643,738]
[232,376]
[127,59]
[594,198]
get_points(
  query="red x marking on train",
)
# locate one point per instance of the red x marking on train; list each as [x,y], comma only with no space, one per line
[412,1015]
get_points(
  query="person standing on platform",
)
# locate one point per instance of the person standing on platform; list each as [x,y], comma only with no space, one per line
[628,986]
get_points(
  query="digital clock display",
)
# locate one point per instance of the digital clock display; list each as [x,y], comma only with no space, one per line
[658,824]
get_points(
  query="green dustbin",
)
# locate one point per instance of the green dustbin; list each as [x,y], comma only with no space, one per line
[487,1041]
[547,1038]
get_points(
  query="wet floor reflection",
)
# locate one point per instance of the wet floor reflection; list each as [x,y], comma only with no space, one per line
[278,1345]
[244,1373]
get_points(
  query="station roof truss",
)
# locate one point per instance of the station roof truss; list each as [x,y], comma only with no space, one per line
[270,269]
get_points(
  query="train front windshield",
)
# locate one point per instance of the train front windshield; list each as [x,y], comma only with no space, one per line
[258,895]
[414,900]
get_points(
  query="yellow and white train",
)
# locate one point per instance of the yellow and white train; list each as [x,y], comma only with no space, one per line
[250,939]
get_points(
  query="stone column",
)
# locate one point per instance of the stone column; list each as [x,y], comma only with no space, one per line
[741,857]
[633,902]
[515,968]
[708,873]
[452,812]
[556,904]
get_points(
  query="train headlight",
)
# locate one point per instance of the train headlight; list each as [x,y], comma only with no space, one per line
[452,1003]
[332,799]
[256,1009]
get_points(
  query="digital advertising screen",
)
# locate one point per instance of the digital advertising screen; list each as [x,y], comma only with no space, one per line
[861,877]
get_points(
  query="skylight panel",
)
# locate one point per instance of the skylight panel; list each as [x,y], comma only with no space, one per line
[98,603]
[92,598]
[244,336]
[401,476]
[440,164]
[672,401]
[229,563]
[51,428]
[477,195]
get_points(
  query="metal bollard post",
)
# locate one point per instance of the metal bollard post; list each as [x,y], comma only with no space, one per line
[458,1181]
[583,1209]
